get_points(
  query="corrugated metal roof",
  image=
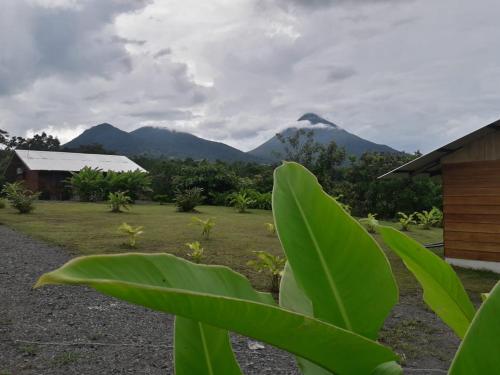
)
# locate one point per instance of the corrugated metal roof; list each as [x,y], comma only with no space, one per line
[73,162]
[431,163]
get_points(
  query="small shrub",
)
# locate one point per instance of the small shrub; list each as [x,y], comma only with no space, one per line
[89,184]
[437,214]
[19,197]
[196,253]
[370,223]
[272,264]
[426,219]
[241,201]
[131,232]
[2,203]
[271,229]
[187,200]
[206,226]
[118,201]
[161,198]
[345,206]
[405,221]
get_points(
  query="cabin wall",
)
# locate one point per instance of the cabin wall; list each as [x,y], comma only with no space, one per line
[471,206]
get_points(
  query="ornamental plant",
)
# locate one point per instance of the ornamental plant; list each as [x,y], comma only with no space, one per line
[370,223]
[206,226]
[271,229]
[118,201]
[187,200]
[336,291]
[19,197]
[241,201]
[426,219]
[196,253]
[131,232]
[405,221]
[271,264]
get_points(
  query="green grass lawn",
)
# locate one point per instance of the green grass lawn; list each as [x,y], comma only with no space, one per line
[89,228]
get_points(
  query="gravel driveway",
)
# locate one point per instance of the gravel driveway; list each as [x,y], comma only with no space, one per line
[74,330]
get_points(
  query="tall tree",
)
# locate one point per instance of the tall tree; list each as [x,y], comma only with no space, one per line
[39,142]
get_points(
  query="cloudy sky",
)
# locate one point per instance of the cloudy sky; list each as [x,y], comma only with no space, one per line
[413,74]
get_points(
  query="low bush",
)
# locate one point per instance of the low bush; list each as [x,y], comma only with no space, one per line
[2,203]
[196,253]
[19,197]
[187,200]
[118,201]
[206,226]
[370,223]
[241,201]
[405,220]
[131,232]
[272,264]
[161,198]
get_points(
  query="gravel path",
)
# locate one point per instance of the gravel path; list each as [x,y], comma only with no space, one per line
[74,330]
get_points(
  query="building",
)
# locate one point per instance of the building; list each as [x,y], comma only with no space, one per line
[470,171]
[46,171]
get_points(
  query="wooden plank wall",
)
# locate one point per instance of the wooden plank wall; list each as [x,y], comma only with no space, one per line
[471,205]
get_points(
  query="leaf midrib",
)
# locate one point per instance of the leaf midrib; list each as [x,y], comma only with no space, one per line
[331,282]
[205,349]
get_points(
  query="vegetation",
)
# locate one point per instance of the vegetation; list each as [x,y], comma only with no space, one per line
[118,201]
[271,229]
[22,199]
[2,203]
[187,200]
[438,216]
[405,221]
[426,219]
[131,232]
[206,226]
[196,253]
[161,198]
[272,264]
[310,310]
[88,184]
[241,201]
[370,223]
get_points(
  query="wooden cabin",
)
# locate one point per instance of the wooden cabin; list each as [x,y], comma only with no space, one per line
[46,171]
[469,168]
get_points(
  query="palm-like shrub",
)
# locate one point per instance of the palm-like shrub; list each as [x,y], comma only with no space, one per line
[370,223]
[345,206]
[131,232]
[426,219]
[271,264]
[89,184]
[187,200]
[241,201]
[19,197]
[437,214]
[206,225]
[196,253]
[271,229]
[118,201]
[136,183]
[405,220]
[161,198]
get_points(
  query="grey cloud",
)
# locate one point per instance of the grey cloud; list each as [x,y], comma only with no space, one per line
[163,115]
[339,73]
[162,52]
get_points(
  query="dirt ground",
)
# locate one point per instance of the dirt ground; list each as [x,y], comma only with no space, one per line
[73,330]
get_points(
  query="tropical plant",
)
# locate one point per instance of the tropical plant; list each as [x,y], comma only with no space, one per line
[135,183]
[241,201]
[345,206]
[118,201]
[131,232]
[89,184]
[336,291]
[405,220]
[206,226]
[271,229]
[19,197]
[438,216]
[272,264]
[196,253]
[370,223]
[426,219]
[187,200]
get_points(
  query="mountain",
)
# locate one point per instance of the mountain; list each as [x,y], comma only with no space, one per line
[324,133]
[158,142]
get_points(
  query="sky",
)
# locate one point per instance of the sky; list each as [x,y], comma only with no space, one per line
[413,74]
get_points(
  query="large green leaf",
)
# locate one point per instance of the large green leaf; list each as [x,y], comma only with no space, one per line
[202,349]
[339,266]
[443,290]
[479,352]
[163,282]
[293,297]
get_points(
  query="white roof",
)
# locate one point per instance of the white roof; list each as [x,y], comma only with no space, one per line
[73,162]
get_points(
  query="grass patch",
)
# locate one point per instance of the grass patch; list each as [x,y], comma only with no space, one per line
[89,228]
